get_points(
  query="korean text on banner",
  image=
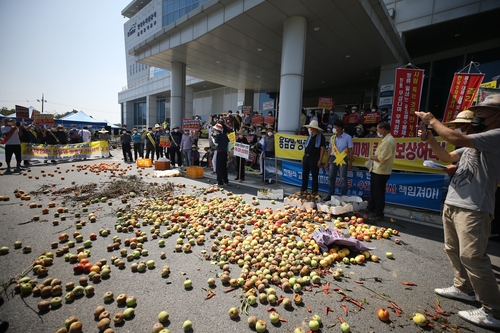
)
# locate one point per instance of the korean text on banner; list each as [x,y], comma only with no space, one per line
[241,150]
[231,136]
[407,93]
[325,103]
[462,92]
[246,109]
[371,118]
[269,120]
[44,119]
[190,124]
[22,112]
[31,151]
[414,190]
[256,120]
[410,152]
[164,141]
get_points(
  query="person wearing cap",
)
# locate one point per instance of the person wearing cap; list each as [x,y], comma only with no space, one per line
[74,134]
[137,142]
[195,155]
[354,119]
[339,159]
[126,140]
[221,142]
[313,156]
[469,207]
[175,143]
[158,133]
[382,162]
[240,161]
[12,142]
[360,132]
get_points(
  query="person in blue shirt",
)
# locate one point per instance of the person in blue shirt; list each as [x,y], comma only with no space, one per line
[339,158]
[137,140]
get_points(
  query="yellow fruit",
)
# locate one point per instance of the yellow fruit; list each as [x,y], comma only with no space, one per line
[419,319]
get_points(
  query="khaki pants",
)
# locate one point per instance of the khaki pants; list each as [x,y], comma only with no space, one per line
[466,235]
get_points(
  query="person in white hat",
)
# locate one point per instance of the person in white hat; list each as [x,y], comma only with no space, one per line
[104,136]
[469,207]
[313,156]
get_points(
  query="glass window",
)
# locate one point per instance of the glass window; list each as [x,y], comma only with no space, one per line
[176,5]
[176,15]
[182,12]
[140,113]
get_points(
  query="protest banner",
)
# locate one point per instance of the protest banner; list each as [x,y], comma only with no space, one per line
[256,120]
[246,109]
[190,124]
[268,105]
[22,112]
[269,120]
[44,119]
[408,90]
[165,141]
[241,150]
[325,103]
[31,151]
[371,118]
[462,92]
[410,152]
[413,190]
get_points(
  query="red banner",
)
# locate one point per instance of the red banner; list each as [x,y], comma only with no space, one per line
[269,120]
[407,93]
[246,109]
[256,120]
[190,124]
[462,92]
[371,118]
[325,103]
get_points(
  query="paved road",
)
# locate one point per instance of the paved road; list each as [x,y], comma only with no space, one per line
[419,259]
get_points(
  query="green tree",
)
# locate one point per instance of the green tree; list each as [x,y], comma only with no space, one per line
[4,111]
[60,115]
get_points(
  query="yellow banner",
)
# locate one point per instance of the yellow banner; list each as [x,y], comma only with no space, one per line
[31,151]
[232,137]
[410,152]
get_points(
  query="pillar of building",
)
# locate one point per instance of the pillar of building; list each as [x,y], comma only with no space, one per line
[189,108]
[292,73]
[151,111]
[178,93]
[128,114]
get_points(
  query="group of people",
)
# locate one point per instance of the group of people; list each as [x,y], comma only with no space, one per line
[180,147]
[470,202]
[14,133]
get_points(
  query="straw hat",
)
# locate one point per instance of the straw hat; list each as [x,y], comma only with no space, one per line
[463,117]
[103,130]
[491,101]
[314,124]
[373,128]
[195,147]
[60,126]
[157,126]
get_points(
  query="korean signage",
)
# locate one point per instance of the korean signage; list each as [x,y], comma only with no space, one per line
[22,112]
[64,152]
[325,103]
[190,124]
[164,141]
[408,90]
[371,118]
[241,150]
[256,120]
[414,190]
[268,105]
[410,152]
[246,109]
[44,119]
[462,92]
[269,120]
[142,26]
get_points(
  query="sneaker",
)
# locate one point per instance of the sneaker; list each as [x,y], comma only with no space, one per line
[8,169]
[480,318]
[453,292]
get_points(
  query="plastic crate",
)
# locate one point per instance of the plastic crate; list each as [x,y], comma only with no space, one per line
[162,165]
[144,163]
[194,172]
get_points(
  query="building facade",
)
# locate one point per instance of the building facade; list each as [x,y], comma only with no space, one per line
[187,57]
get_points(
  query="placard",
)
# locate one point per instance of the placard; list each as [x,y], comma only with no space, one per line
[408,90]
[269,120]
[246,109]
[241,150]
[325,103]
[256,120]
[165,141]
[190,124]
[44,119]
[22,112]
[268,105]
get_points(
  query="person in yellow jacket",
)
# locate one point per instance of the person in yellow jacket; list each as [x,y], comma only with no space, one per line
[383,159]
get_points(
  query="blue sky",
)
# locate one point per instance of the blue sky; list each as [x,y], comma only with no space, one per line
[72,51]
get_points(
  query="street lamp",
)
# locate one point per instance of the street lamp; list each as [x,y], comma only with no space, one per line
[43,101]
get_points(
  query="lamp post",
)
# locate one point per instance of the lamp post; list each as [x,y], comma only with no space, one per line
[43,101]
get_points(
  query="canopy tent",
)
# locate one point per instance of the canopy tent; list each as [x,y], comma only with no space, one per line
[111,125]
[80,119]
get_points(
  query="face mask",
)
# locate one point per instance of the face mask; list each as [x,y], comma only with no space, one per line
[478,123]
[334,130]
[373,110]
[167,132]
[358,131]
[123,132]
[352,111]
[134,132]
[270,133]
[379,134]
[240,136]
[176,130]
[310,131]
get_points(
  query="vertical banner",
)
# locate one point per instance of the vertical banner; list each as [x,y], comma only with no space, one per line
[462,92]
[407,93]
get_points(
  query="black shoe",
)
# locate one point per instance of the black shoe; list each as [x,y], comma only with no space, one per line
[220,184]
[236,178]
[327,198]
